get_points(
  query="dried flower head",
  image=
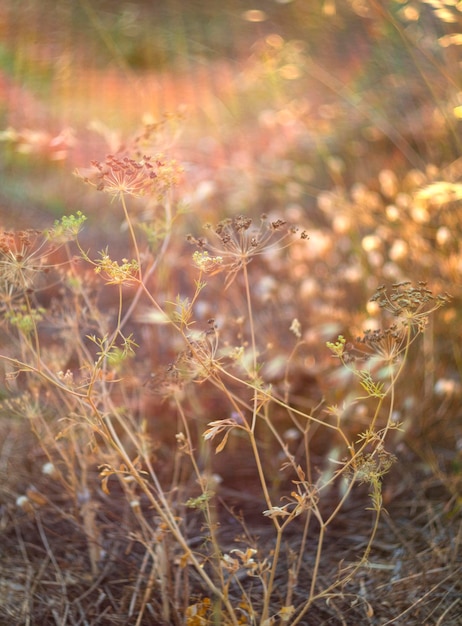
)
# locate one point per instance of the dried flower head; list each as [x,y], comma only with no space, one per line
[196,363]
[239,241]
[206,263]
[411,305]
[370,467]
[385,345]
[21,257]
[199,360]
[122,175]
[116,273]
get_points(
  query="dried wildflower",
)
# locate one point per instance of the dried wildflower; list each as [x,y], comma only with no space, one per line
[199,359]
[21,257]
[114,273]
[246,557]
[371,467]
[412,305]
[386,344]
[66,228]
[304,498]
[194,364]
[24,254]
[223,427]
[277,511]
[206,263]
[337,348]
[118,176]
[122,175]
[379,347]
[239,241]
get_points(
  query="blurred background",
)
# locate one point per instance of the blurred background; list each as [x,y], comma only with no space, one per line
[287,93]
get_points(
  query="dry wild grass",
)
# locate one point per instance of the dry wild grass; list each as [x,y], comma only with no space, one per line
[180,445]
[255,420]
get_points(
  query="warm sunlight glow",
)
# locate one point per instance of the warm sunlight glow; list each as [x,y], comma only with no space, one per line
[230,312]
[254,15]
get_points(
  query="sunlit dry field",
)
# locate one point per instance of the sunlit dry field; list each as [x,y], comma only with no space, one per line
[230,353]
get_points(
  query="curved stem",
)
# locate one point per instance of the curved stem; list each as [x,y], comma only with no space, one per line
[150,271]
